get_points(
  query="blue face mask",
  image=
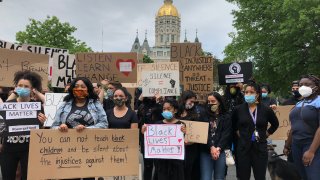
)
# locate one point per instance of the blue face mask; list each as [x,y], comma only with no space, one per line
[109,93]
[23,92]
[264,95]
[250,99]
[167,115]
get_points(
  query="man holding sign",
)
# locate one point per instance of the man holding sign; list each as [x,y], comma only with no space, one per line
[164,141]
[20,116]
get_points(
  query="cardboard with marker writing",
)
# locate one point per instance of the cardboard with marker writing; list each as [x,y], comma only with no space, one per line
[9,45]
[282,113]
[12,61]
[52,103]
[120,67]
[197,132]
[19,118]
[91,153]
[64,68]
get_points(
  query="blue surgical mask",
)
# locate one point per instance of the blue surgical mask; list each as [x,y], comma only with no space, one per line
[264,95]
[23,92]
[250,99]
[167,115]
[109,93]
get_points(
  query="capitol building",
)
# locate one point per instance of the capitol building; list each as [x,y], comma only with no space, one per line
[167,31]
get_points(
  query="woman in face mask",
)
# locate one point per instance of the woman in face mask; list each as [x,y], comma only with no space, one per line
[121,117]
[213,157]
[265,99]
[304,137]
[250,123]
[188,110]
[15,149]
[233,96]
[166,169]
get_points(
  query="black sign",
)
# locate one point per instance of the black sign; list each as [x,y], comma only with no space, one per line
[234,73]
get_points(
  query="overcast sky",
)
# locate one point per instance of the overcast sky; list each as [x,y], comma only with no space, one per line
[120,19]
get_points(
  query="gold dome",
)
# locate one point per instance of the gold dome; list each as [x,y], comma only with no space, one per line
[168,9]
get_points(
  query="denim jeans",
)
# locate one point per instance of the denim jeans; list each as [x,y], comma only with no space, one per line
[212,168]
[311,172]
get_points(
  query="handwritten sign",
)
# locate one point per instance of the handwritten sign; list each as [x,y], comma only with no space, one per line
[198,75]
[9,45]
[164,83]
[92,153]
[120,67]
[164,141]
[52,102]
[20,117]
[12,61]
[282,114]
[197,132]
[64,68]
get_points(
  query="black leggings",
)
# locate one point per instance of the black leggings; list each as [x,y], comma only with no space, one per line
[9,164]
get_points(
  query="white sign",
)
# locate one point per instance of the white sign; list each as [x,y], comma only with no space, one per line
[20,106]
[125,66]
[52,102]
[64,69]
[164,141]
[22,128]
[21,114]
[163,83]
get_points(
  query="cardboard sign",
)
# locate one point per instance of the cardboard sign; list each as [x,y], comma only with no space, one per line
[9,45]
[164,141]
[20,117]
[12,61]
[120,67]
[64,68]
[44,50]
[234,73]
[52,103]
[282,113]
[198,75]
[197,132]
[163,83]
[91,153]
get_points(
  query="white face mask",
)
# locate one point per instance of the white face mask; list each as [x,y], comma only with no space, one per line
[305,91]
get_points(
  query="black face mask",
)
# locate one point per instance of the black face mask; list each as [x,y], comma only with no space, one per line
[296,94]
[118,102]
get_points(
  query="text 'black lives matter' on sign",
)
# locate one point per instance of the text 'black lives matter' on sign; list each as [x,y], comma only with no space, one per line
[20,117]
[12,61]
[96,67]
[64,69]
[162,83]
[198,75]
[164,141]
[52,103]
[234,73]
[91,153]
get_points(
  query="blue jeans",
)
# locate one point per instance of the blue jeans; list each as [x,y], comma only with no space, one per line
[311,172]
[212,168]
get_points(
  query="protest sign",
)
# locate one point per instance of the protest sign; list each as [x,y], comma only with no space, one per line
[282,113]
[12,61]
[20,117]
[52,103]
[163,83]
[64,68]
[9,45]
[120,67]
[197,132]
[91,153]
[198,75]
[179,51]
[234,73]
[164,141]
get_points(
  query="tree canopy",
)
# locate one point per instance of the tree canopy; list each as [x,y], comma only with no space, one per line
[280,37]
[51,33]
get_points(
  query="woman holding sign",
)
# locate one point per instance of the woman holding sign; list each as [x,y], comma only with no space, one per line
[16,147]
[250,123]
[172,169]
[213,156]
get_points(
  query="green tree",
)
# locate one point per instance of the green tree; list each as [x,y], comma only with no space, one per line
[280,37]
[51,33]
[147,59]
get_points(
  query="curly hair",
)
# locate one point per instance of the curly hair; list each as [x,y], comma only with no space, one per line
[87,82]
[34,78]
[314,79]
[252,83]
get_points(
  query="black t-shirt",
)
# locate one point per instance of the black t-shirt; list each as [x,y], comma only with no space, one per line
[79,116]
[122,122]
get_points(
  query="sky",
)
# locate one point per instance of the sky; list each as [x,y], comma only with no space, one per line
[119,20]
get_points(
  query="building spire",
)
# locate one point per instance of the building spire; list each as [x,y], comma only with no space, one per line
[145,35]
[197,39]
[168,1]
[185,36]
[137,37]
